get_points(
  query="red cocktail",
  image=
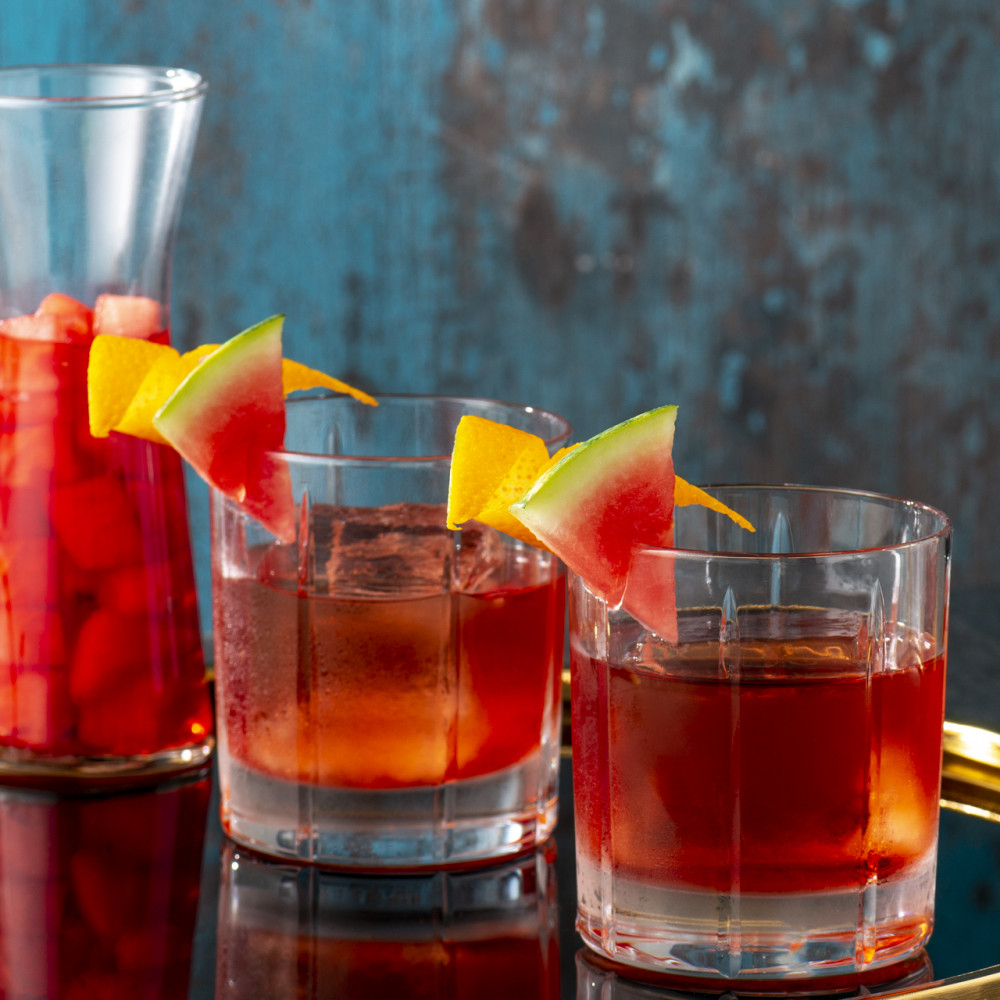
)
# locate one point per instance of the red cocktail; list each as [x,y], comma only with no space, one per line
[383,713]
[388,690]
[100,653]
[699,752]
[757,793]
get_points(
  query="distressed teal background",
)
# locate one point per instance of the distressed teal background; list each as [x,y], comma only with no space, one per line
[781,215]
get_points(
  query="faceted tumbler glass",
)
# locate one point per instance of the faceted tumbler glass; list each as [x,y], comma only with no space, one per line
[757,740]
[388,690]
[101,670]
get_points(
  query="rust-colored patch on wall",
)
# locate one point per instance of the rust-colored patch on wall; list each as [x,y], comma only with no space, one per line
[899,84]
[527,20]
[543,247]
[680,282]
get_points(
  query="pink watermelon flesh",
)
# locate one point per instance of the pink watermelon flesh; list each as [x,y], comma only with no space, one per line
[606,500]
[228,417]
[74,318]
[650,593]
[127,316]
[48,328]
[61,319]
[627,514]
[269,495]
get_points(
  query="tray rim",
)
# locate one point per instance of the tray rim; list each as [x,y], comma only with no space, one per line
[970,770]
[970,784]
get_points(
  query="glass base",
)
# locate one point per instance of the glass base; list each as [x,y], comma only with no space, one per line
[758,937]
[462,822]
[599,978]
[80,774]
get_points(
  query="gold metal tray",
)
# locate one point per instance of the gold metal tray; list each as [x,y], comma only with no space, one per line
[970,784]
[970,779]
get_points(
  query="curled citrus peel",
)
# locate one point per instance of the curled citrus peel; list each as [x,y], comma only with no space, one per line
[220,407]
[493,466]
[129,381]
[686,495]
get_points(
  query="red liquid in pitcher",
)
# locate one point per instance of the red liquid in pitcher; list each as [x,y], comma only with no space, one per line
[100,651]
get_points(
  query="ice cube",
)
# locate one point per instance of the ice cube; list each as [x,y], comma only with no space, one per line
[402,549]
[648,654]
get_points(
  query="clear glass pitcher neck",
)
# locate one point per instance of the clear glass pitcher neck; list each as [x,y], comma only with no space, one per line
[93,164]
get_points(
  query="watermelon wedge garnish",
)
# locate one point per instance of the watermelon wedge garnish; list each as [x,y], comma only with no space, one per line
[227,414]
[605,497]
[221,407]
[605,507]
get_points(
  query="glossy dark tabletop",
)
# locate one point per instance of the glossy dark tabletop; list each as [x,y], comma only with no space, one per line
[140,895]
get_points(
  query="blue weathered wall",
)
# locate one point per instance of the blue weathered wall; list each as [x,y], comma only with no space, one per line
[784,216]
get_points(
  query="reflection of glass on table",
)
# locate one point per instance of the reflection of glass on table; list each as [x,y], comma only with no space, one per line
[757,795]
[99,894]
[298,930]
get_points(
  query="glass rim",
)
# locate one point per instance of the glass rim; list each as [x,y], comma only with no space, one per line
[941,532]
[363,461]
[176,84]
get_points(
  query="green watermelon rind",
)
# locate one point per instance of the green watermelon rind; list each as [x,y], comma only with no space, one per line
[213,378]
[562,506]
[205,420]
